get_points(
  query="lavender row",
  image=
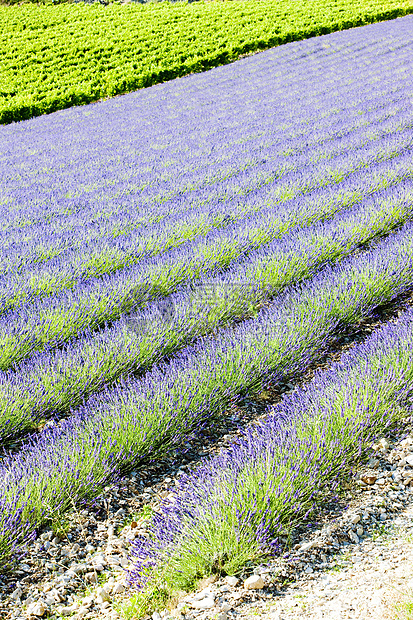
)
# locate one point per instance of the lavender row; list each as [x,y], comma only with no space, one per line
[74,267]
[53,383]
[87,201]
[19,251]
[337,142]
[44,252]
[52,322]
[240,506]
[147,418]
[63,273]
[64,151]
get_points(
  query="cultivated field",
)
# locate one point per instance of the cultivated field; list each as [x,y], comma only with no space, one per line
[165,252]
[54,57]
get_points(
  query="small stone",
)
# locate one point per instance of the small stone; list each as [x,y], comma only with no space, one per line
[17,594]
[102,596]
[118,588]
[373,462]
[205,603]
[306,546]
[255,582]
[156,616]
[222,616]
[69,610]
[81,613]
[98,567]
[231,580]
[409,460]
[355,519]
[79,568]
[353,536]
[25,567]
[202,594]
[360,531]
[91,578]
[226,607]
[368,478]
[36,609]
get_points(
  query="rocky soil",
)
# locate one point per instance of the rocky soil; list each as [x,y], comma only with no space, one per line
[352,563]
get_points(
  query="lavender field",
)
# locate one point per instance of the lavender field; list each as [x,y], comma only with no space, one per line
[167,250]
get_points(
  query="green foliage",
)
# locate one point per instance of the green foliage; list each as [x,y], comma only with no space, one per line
[72,54]
[403,608]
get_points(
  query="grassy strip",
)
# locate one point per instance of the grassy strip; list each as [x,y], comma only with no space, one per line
[90,52]
[56,383]
[151,417]
[52,322]
[241,506]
